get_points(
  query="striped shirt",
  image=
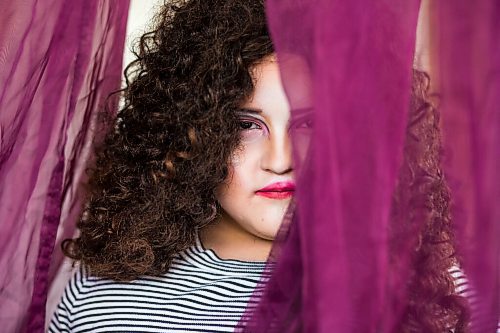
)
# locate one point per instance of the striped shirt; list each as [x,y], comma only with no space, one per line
[200,293]
[463,288]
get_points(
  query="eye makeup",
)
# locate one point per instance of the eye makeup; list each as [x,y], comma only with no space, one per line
[252,128]
[302,119]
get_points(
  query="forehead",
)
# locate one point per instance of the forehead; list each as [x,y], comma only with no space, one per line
[269,97]
[269,90]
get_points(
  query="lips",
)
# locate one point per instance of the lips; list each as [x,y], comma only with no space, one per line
[278,190]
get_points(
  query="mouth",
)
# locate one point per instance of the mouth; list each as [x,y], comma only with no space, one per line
[279,190]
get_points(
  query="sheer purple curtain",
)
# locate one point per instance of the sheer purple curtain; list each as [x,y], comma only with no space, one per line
[468,60]
[352,62]
[59,60]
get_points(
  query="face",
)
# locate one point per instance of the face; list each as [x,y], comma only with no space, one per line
[261,182]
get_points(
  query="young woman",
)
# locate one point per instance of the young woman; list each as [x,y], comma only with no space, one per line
[191,183]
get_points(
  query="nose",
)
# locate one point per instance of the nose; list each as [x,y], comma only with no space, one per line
[277,157]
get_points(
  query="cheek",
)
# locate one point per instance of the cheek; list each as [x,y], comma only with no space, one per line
[246,158]
[259,216]
[243,168]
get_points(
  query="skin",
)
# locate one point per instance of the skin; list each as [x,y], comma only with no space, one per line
[249,221]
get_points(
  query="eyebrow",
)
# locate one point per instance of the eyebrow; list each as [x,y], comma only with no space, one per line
[302,111]
[249,110]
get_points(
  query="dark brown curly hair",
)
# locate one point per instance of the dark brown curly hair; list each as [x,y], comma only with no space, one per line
[153,182]
[422,206]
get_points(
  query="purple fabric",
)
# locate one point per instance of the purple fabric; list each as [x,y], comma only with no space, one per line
[58,62]
[469,75]
[354,59]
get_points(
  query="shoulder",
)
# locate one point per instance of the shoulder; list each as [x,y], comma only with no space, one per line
[87,298]
[63,316]
[463,288]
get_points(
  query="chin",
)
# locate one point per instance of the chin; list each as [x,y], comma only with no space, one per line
[269,235]
[270,228]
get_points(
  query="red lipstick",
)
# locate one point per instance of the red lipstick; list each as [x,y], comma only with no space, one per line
[278,190]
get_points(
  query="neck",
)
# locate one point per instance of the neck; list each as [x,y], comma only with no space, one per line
[230,241]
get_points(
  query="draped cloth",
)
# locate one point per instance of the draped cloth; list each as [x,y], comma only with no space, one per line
[59,60]
[352,62]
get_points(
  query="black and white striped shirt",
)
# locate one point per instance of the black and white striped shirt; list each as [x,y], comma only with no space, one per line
[200,293]
[462,288]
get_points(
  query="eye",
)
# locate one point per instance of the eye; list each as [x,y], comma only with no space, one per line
[251,129]
[302,123]
[305,123]
[249,125]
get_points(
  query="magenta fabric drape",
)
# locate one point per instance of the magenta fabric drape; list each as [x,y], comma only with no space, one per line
[59,60]
[332,272]
[353,60]
[468,55]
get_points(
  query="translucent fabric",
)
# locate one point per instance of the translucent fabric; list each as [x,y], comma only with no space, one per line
[344,253]
[59,60]
[468,70]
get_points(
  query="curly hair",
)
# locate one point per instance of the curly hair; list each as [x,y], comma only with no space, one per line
[422,201]
[156,172]
[153,183]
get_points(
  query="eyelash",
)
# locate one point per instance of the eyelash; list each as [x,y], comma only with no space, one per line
[246,124]
[308,122]
[251,122]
